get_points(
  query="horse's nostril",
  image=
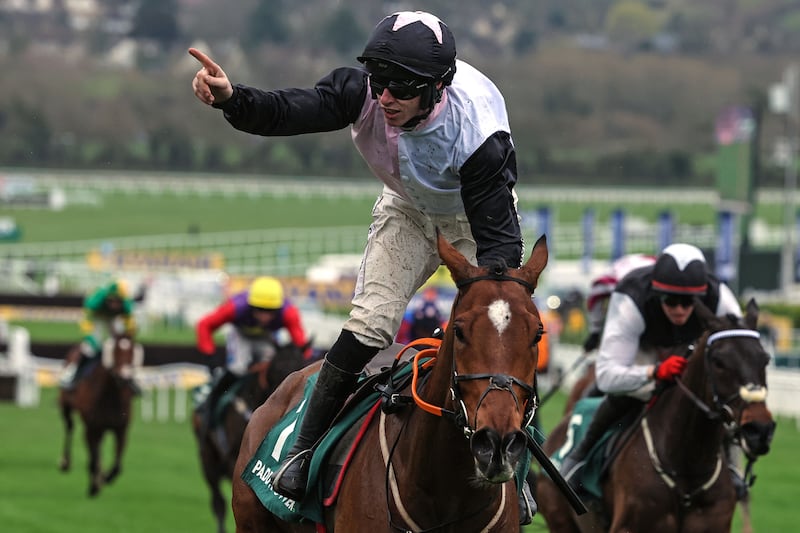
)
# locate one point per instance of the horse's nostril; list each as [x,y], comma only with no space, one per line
[484,444]
[514,445]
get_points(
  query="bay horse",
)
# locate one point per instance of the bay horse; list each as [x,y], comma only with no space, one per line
[671,474]
[217,458]
[446,463]
[103,398]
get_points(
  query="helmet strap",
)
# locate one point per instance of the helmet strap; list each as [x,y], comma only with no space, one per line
[431,95]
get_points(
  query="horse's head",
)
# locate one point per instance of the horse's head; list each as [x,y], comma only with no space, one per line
[492,337]
[120,355]
[736,363]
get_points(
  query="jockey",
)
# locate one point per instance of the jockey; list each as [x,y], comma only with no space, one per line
[106,309]
[651,308]
[435,131]
[421,320]
[600,293]
[255,315]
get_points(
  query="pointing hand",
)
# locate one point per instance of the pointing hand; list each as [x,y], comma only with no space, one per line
[210,84]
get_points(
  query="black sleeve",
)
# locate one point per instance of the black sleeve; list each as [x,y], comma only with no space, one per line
[487,181]
[332,104]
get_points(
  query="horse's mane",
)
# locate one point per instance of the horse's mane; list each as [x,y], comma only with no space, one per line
[496,266]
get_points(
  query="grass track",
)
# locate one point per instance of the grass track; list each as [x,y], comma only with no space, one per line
[161,488]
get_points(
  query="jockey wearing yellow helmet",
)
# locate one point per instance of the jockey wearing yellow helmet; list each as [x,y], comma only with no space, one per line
[256,315]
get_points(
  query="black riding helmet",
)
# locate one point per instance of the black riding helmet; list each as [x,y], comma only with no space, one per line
[412,45]
[680,269]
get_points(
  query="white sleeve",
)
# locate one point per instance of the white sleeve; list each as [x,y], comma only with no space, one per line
[727,302]
[616,371]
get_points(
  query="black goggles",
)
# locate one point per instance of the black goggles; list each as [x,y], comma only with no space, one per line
[675,300]
[402,90]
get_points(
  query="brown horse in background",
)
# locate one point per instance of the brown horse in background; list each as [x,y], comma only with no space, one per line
[218,458]
[447,463]
[671,474]
[103,398]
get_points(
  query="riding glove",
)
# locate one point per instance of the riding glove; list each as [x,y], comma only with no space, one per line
[669,368]
[591,342]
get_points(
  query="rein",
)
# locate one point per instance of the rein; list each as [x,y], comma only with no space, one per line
[424,360]
[387,452]
[501,382]
[721,411]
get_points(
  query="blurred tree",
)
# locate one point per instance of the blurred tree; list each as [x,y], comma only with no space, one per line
[157,20]
[632,23]
[267,24]
[342,32]
[27,135]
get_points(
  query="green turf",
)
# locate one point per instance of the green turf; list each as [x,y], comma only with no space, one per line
[120,215]
[135,214]
[68,332]
[161,487]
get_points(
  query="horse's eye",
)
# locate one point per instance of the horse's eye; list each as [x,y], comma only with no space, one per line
[538,336]
[458,332]
[717,363]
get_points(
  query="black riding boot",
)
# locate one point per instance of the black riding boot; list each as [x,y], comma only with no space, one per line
[610,411]
[336,380]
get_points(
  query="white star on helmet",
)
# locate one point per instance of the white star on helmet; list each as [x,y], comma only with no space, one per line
[404,18]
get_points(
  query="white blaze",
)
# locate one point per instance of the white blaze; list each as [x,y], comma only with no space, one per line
[500,315]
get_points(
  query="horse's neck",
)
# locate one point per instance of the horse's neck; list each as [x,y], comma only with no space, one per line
[429,444]
[683,432]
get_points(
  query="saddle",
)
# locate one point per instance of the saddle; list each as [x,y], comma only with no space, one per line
[601,456]
[377,387]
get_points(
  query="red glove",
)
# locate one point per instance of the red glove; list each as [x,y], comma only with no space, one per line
[670,367]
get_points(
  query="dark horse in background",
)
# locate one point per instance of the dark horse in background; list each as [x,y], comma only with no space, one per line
[671,475]
[445,463]
[103,397]
[219,449]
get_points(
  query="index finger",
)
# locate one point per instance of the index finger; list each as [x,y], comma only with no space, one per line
[203,59]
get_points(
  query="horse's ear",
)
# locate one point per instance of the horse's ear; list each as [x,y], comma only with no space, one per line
[706,315]
[458,265]
[751,314]
[536,262]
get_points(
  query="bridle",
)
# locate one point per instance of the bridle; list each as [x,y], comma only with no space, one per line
[499,382]
[424,359]
[720,410]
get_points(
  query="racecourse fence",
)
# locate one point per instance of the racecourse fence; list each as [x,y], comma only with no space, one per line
[79,265]
[76,266]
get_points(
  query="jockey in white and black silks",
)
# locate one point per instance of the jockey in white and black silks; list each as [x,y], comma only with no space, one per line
[435,131]
[650,310]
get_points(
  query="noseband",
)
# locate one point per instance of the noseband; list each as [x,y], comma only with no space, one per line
[721,408]
[500,382]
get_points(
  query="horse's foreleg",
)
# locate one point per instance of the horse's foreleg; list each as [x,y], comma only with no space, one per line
[218,503]
[213,472]
[120,440]
[93,438]
[69,426]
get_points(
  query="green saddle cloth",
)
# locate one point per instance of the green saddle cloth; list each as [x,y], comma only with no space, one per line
[276,444]
[273,449]
[592,471]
